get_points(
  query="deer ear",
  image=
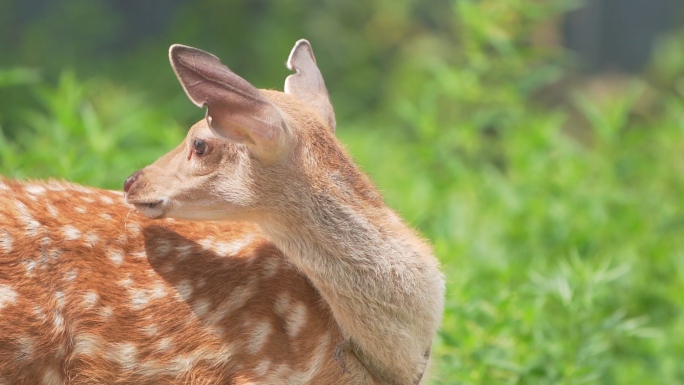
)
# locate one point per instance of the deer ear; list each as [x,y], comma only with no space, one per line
[236,110]
[307,84]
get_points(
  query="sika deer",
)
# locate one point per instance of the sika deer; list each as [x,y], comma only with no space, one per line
[318,283]
[271,158]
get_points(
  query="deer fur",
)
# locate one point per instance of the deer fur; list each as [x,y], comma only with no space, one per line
[308,278]
[272,159]
[93,293]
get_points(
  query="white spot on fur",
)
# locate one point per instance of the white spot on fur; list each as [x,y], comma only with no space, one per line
[25,348]
[34,189]
[70,275]
[39,313]
[30,266]
[184,251]
[296,320]
[52,377]
[262,367]
[91,239]
[158,290]
[59,299]
[201,306]
[165,344]
[282,304]
[126,282]
[90,299]
[58,322]
[71,233]
[139,299]
[3,186]
[207,243]
[31,225]
[140,254]
[163,248]
[230,248]
[216,331]
[184,290]
[106,216]
[185,363]
[106,312]
[279,374]
[87,344]
[79,188]
[52,210]
[80,209]
[150,329]
[133,228]
[270,268]
[226,249]
[55,186]
[313,366]
[106,200]
[258,336]
[7,296]
[6,241]
[116,256]
[237,299]
[124,354]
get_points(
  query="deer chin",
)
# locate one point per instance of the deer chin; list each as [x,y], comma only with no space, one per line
[155,209]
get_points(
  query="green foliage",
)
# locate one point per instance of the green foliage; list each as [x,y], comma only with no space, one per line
[563,257]
[82,131]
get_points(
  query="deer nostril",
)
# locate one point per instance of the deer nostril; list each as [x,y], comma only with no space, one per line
[130,180]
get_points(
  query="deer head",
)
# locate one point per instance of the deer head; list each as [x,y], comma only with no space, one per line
[252,147]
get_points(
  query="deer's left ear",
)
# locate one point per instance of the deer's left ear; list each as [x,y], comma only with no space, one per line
[236,110]
[307,84]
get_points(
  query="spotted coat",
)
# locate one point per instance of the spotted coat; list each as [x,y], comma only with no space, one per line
[93,293]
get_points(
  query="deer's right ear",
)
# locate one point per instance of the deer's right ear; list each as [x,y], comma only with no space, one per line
[307,83]
[236,110]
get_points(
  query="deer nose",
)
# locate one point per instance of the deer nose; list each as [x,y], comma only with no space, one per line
[130,180]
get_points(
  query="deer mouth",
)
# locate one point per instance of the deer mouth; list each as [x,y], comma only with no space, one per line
[151,209]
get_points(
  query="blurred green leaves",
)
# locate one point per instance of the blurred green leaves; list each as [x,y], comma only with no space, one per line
[83,131]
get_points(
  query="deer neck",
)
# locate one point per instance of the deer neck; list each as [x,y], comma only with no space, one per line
[329,237]
[371,270]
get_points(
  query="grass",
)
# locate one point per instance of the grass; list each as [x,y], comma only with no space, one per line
[564,257]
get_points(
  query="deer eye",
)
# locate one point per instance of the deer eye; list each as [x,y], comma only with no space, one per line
[199,146]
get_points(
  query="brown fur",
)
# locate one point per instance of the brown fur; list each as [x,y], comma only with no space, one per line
[102,304]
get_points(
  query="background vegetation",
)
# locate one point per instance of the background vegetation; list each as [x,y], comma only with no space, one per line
[553,200]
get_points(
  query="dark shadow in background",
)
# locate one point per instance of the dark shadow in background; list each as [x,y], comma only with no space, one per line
[618,34]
